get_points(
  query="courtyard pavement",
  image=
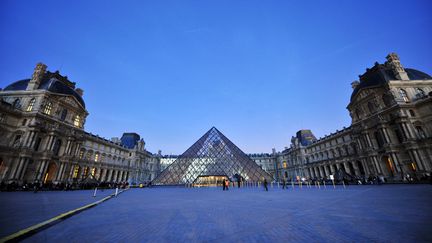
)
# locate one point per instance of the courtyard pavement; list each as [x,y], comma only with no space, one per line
[387,213]
[19,210]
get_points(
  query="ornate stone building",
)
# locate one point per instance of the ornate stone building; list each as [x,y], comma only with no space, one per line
[267,162]
[42,137]
[390,133]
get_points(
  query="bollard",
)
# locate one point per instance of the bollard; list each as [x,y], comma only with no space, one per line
[334,186]
[116,192]
[272,184]
[319,187]
[94,194]
[343,183]
[300,185]
[278,184]
[292,184]
[324,185]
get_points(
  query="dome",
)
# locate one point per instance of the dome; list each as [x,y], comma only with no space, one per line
[50,83]
[414,74]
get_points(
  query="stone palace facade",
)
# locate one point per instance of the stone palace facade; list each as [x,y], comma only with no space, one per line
[43,139]
[390,133]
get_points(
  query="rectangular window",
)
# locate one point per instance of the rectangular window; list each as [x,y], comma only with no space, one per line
[76,171]
[47,108]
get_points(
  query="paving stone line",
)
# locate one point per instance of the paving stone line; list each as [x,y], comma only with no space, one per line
[50,222]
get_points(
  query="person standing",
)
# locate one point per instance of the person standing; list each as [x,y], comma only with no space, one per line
[223,184]
[227,184]
[283,183]
[265,184]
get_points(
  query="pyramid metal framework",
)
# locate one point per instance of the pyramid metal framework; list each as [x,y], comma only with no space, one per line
[212,155]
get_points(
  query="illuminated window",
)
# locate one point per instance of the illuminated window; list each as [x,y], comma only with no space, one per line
[77,121]
[284,164]
[76,171]
[47,108]
[31,104]
[93,172]
[85,171]
[81,154]
[96,157]
[403,95]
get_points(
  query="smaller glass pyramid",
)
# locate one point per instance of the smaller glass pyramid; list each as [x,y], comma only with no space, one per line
[212,155]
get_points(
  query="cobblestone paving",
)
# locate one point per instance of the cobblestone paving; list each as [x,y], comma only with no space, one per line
[19,210]
[389,213]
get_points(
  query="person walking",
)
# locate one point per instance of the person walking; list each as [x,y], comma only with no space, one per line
[265,184]
[227,184]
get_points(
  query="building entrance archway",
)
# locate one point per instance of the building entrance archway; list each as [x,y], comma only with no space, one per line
[213,180]
[50,173]
[387,166]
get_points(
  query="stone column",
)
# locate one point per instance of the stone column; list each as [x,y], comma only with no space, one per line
[369,141]
[322,174]
[60,172]
[421,165]
[406,131]
[29,139]
[43,170]
[23,171]
[16,166]
[327,173]
[114,176]
[346,168]
[386,135]
[376,164]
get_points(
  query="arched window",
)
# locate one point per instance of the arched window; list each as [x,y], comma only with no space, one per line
[31,104]
[403,95]
[420,93]
[77,121]
[421,133]
[48,108]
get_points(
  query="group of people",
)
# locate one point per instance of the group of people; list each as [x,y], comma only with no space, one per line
[38,186]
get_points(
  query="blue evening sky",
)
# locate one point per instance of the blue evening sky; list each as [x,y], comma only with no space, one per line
[170,70]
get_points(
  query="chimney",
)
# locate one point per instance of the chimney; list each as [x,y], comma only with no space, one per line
[79,91]
[394,64]
[354,84]
[37,76]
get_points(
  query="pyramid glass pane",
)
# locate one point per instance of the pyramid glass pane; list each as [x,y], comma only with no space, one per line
[212,155]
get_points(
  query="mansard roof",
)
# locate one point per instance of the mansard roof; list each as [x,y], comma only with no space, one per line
[380,75]
[52,82]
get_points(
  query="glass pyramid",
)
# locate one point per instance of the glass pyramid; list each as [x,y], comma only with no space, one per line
[212,155]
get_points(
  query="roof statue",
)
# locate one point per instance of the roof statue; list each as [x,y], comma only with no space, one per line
[212,155]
